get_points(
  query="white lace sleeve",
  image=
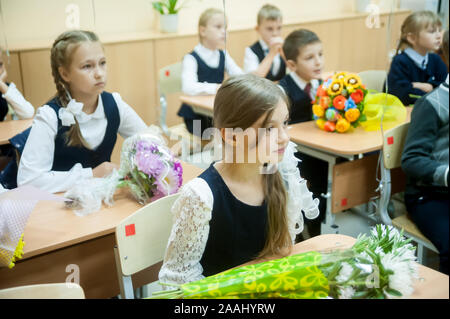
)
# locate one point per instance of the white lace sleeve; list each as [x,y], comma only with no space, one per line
[299,197]
[187,241]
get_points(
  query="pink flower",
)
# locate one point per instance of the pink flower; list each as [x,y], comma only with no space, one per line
[149,163]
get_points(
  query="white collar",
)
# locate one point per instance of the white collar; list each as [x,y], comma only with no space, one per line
[264,45]
[302,83]
[204,50]
[99,112]
[420,60]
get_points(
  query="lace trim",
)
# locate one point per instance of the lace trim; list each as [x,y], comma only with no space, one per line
[187,241]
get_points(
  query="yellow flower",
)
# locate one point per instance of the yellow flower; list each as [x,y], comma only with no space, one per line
[350,89]
[352,115]
[335,87]
[318,110]
[340,76]
[18,253]
[352,80]
[342,125]
[320,123]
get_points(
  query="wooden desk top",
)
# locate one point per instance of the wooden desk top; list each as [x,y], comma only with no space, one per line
[205,102]
[431,284]
[352,143]
[52,226]
[10,128]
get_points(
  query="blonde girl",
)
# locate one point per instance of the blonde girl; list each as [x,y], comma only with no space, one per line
[416,69]
[238,210]
[204,68]
[73,135]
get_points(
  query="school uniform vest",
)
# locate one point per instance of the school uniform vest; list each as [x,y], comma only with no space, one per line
[237,231]
[65,157]
[258,50]
[301,107]
[3,107]
[435,73]
[204,74]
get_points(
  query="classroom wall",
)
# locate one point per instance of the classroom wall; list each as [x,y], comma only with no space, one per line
[45,19]
[134,57]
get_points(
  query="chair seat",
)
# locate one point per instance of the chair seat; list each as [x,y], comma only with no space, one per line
[408,226]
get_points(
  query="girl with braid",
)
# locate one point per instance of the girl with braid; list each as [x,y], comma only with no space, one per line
[73,135]
[248,205]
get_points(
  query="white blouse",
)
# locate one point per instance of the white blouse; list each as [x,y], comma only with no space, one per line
[192,214]
[22,107]
[251,60]
[189,78]
[37,157]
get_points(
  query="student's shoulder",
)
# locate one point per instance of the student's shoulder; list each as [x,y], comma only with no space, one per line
[197,189]
[435,60]
[402,59]
[284,82]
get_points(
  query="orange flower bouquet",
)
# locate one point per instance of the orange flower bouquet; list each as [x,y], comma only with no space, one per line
[339,103]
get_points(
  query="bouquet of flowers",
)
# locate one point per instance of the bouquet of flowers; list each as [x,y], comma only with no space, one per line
[339,103]
[147,167]
[381,265]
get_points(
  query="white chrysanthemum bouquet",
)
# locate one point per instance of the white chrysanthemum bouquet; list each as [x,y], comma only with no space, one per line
[381,265]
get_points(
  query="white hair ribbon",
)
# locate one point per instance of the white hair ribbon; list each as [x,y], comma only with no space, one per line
[67,114]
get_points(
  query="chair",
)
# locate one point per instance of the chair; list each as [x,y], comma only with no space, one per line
[373,79]
[67,290]
[141,241]
[169,81]
[393,143]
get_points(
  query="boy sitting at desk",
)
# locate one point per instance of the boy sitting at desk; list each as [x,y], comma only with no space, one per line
[304,57]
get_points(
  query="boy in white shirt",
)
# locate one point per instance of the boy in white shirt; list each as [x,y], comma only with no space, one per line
[263,57]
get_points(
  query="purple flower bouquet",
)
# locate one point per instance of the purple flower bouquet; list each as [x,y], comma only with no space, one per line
[147,167]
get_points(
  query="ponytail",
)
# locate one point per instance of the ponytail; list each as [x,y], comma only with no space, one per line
[278,240]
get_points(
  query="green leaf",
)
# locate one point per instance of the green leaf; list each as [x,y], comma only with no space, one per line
[361,294]
[158,6]
[363,117]
[393,292]
[172,6]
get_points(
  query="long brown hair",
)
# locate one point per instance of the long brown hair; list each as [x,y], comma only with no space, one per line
[239,103]
[415,23]
[61,56]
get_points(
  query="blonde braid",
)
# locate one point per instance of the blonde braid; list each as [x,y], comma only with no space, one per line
[61,57]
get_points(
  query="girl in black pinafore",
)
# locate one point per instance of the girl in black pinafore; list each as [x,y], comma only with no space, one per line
[204,68]
[237,211]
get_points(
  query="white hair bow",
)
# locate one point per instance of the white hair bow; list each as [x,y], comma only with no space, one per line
[67,114]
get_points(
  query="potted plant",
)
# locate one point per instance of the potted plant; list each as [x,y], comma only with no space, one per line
[168,10]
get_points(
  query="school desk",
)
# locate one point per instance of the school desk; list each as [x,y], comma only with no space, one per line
[353,182]
[60,246]
[10,128]
[430,283]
